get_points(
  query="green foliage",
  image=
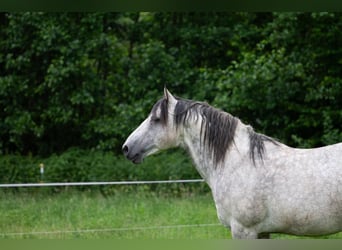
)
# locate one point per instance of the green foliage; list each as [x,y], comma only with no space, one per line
[280,86]
[88,79]
[76,165]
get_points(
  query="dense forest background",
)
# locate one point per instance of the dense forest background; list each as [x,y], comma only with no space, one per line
[86,80]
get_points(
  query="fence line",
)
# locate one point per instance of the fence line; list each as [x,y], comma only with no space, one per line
[56,184]
[12,185]
[113,229]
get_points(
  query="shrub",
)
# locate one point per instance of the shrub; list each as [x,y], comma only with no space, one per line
[77,165]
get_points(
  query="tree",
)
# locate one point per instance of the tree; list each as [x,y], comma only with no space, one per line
[87,79]
[280,85]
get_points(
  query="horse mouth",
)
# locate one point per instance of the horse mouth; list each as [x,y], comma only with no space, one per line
[137,159]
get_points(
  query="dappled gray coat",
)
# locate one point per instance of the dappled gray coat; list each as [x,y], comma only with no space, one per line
[259,185]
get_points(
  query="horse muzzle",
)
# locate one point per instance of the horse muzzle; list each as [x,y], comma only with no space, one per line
[132,155]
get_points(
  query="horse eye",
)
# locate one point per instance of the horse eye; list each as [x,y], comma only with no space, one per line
[156,119]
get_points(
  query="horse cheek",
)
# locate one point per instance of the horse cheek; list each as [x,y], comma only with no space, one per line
[168,139]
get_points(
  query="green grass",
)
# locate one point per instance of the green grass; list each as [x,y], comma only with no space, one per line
[89,215]
[68,214]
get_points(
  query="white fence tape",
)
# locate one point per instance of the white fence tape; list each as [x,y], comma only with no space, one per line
[114,229]
[56,184]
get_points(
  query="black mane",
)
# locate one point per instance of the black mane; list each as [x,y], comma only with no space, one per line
[257,145]
[217,128]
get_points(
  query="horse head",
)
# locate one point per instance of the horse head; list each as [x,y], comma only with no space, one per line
[155,133]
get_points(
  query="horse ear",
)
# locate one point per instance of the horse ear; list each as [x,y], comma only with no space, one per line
[169,97]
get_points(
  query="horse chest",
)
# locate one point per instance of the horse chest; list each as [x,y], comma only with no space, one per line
[241,202]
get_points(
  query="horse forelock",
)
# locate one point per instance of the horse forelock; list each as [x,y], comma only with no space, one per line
[217,127]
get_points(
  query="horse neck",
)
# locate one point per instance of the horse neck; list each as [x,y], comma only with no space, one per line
[192,144]
[203,160]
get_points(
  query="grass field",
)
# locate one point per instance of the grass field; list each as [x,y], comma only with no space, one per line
[89,215]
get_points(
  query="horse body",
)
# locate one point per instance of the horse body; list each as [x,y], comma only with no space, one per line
[286,193]
[259,185]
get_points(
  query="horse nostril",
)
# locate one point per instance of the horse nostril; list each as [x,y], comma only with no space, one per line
[125,150]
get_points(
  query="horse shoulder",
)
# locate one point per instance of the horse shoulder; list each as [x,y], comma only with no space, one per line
[240,197]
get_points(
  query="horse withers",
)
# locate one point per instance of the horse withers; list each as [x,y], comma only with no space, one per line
[259,185]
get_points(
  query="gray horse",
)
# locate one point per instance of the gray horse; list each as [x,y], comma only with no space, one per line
[260,186]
